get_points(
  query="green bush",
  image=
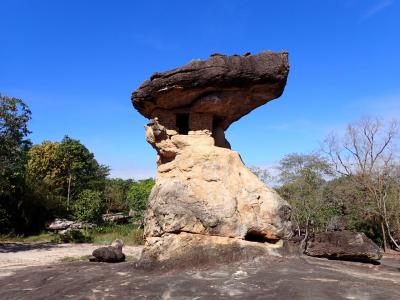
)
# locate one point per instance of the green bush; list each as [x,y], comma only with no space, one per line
[76,236]
[108,232]
[88,206]
[139,194]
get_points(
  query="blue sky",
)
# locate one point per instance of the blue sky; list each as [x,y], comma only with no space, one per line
[76,62]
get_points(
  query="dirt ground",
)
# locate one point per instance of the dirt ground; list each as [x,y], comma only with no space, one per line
[286,277]
[14,256]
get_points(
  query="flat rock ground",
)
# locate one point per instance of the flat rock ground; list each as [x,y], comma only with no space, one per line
[264,278]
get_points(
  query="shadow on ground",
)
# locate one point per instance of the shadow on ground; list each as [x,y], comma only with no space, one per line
[18,247]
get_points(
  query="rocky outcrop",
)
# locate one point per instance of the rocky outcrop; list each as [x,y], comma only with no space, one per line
[185,250]
[115,217]
[63,226]
[204,195]
[208,190]
[228,87]
[343,245]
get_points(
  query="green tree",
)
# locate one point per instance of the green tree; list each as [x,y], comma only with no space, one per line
[138,195]
[116,194]
[78,168]
[62,170]
[304,178]
[88,206]
[14,117]
[14,142]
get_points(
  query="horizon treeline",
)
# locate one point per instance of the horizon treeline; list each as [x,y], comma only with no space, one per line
[55,179]
[352,182]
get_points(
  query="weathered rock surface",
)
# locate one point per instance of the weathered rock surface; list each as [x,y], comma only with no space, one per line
[205,200]
[110,254]
[62,224]
[343,245]
[187,251]
[59,224]
[207,191]
[264,278]
[69,230]
[228,87]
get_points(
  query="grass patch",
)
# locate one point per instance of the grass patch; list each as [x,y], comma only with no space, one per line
[44,237]
[74,259]
[77,237]
[104,234]
[107,233]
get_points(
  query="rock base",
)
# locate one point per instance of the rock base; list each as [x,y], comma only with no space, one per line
[185,251]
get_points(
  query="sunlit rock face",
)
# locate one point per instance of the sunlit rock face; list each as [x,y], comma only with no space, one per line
[202,188]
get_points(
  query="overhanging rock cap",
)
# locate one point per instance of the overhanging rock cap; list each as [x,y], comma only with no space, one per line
[228,87]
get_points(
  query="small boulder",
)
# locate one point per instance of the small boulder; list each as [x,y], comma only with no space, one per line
[115,217]
[343,245]
[62,225]
[59,224]
[110,254]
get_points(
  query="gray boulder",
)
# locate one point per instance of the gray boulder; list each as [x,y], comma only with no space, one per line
[110,254]
[59,224]
[343,245]
[115,217]
[62,225]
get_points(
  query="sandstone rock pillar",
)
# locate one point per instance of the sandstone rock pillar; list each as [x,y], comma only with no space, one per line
[206,205]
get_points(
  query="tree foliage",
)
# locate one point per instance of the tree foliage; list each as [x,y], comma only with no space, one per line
[14,117]
[116,194]
[304,180]
[139,193]
[353,183]
[88,206]
[64,169]
[366,155]
[14,142]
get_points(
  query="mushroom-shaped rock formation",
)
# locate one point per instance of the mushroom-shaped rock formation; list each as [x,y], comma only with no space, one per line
[211,94]
[204,195]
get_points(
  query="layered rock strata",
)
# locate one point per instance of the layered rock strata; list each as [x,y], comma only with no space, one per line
[226,87]
[204,194]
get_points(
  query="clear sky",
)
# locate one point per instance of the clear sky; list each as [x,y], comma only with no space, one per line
[76,62]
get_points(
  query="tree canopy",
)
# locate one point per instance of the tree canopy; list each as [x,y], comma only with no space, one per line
[65,168]
[14,117]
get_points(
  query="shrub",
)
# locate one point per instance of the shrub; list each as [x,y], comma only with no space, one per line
[76,236]
[88,206]
[108,232]
[139,194]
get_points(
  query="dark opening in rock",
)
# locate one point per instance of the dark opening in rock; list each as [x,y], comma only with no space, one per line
[254,236]
[258,237]
[182,122]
